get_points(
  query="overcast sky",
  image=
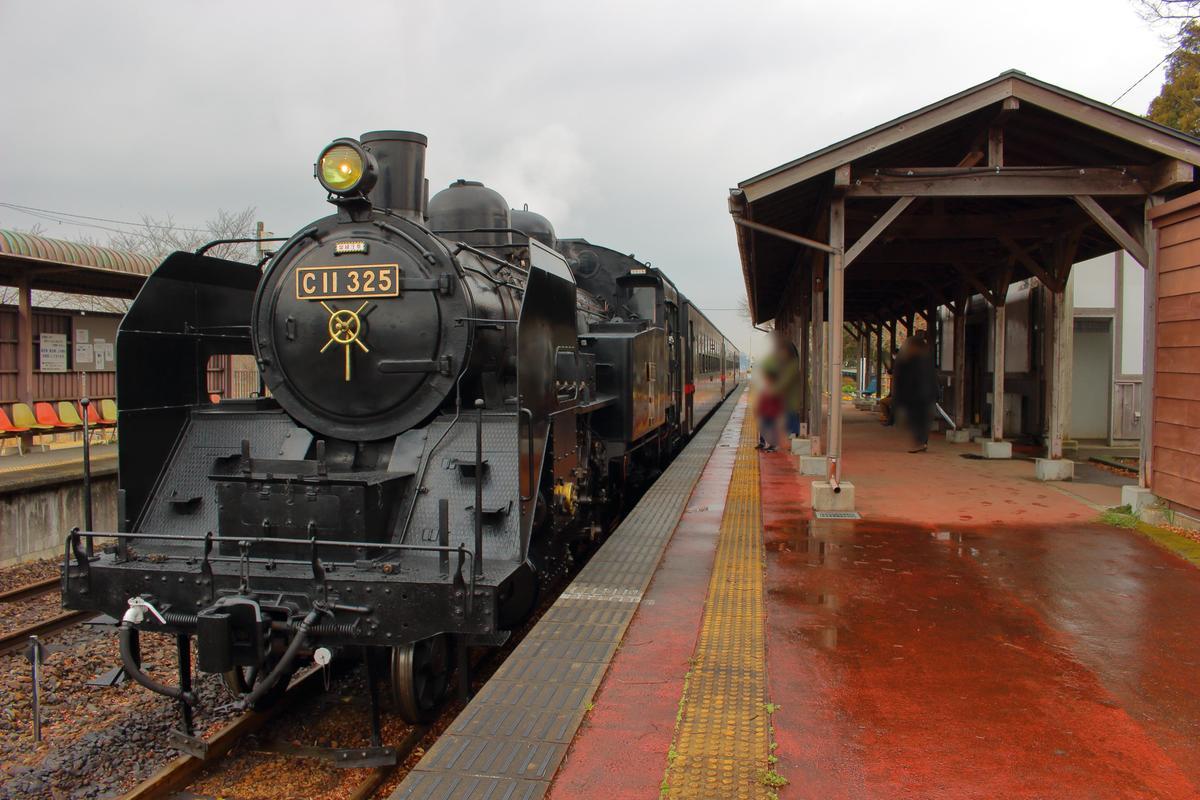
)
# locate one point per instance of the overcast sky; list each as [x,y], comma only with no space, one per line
[625,123]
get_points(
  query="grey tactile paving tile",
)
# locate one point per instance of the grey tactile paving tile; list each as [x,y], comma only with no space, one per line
[490,721]
[454,786]
[510,739]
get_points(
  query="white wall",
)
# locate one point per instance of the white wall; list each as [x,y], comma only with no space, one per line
[1095,282]
[1132,318]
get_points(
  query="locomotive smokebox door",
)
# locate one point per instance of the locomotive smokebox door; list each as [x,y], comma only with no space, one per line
[358,328]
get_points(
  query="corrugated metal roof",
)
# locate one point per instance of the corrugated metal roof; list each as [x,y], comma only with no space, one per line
[42,248]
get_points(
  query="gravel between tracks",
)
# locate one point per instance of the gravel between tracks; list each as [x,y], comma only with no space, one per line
[29,611]
[96,742]
[19,575]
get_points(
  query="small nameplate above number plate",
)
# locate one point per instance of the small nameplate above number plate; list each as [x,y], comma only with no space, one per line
[333,283]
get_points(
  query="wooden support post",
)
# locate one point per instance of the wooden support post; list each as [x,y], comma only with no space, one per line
[25,349]
[817,353]
[880,369]
[802,346]
[24,338]
[960,361]
[1058,375]
[1149,351]
[862,363]
[998,330]
[837,238]
[996,146]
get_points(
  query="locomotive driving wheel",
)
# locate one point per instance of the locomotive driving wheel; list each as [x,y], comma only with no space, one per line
[420,673]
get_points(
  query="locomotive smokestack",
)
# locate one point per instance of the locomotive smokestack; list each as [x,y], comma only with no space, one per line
[401,159]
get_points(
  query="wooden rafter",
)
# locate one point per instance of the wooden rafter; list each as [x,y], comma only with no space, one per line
[885,219]
[973,279]
[1113,228]
[1026,260]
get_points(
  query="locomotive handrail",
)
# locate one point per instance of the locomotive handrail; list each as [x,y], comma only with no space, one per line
[240,240]
[73,537]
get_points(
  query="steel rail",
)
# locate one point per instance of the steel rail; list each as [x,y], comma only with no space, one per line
[17,639]
[178,774]
[35,589]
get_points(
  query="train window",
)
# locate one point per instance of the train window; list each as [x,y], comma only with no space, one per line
[232,376]
[643,301]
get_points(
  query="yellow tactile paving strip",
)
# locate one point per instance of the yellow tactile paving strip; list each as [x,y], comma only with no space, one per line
[722,733]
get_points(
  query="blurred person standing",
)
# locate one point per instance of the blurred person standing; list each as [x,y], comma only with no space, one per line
[915,388]
[790,387]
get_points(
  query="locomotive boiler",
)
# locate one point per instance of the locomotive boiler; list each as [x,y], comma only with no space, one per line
[454,405]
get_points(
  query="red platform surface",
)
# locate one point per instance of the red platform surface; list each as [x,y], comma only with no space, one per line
[977,635]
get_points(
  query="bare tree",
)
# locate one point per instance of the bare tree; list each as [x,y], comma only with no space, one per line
[743,309]
[1173,16]
[158,238]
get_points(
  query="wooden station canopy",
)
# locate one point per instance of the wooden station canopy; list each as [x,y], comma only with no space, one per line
[1010,179]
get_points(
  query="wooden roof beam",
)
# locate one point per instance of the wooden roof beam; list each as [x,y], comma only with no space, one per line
[1170,174]
[1113,228]
[1001,182]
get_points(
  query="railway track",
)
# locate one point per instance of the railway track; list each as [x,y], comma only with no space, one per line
[35,589]
[177,775]
[15,640]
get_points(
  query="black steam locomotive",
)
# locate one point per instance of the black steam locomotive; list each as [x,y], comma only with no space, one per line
[454,402]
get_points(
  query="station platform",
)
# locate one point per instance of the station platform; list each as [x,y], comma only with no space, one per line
[977,634]
[49,467]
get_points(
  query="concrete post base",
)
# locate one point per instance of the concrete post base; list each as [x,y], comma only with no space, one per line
[825,499]
[812,465]
[1136,498]
[960,436]
[802,446]
[996,449]
[973,431]
[1054,469]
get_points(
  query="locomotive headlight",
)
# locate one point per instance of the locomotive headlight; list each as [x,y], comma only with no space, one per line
[345,168]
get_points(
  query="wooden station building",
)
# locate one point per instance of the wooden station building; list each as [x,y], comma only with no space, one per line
[945,209]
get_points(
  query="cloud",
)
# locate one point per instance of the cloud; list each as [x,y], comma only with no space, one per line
[624,122]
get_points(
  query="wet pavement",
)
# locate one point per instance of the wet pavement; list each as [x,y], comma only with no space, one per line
[963,660]
[978,634]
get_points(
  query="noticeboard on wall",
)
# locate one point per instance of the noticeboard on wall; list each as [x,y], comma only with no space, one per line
[52,352]
[95,341]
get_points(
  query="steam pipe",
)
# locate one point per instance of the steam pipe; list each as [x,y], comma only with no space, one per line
[128,636]
[285,662]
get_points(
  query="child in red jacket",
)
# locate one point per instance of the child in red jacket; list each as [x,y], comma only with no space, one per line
[769,408]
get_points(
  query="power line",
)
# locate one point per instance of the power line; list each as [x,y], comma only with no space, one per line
[1147,75]
[56,216]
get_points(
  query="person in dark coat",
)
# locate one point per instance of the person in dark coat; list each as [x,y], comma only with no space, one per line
[916,388]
